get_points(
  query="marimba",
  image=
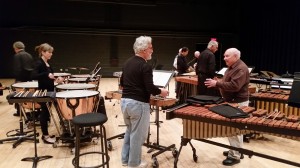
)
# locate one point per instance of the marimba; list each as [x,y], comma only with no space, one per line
[274,101]
[200,123]
[187,87]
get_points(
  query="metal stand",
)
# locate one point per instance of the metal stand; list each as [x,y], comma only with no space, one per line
[36,158]
[156,145]
[20,136]
[12,98]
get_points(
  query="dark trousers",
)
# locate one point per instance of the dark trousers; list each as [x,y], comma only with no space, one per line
[44,118]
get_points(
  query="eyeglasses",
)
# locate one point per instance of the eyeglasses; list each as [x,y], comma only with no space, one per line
[151,48]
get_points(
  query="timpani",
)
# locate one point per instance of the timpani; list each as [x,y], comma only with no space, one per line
[75,102]
[76,86]
[31,86]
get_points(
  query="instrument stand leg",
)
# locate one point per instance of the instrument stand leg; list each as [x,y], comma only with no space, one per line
[109,144]
[184,142]
[156,145]
[20,136]
[36,158]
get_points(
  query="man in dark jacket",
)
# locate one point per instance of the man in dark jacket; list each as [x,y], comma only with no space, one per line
[23,63]
[205,68]
[23,66]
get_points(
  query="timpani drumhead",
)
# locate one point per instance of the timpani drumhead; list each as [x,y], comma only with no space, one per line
[80,80]
[26,85]
[81,75]
[76,93]
[76,102]
[58,74]
[76,86]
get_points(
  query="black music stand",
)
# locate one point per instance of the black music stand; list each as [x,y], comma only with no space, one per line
[33,99]
[20,136]
[161,79]
[294,98]
[156,145]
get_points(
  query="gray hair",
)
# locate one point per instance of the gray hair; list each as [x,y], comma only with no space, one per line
[212,43]
[235,52]
[141,43]
[18,45]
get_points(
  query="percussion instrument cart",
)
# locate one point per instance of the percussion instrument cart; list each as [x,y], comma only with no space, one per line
[12,98]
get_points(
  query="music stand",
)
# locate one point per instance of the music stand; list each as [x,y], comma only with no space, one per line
[29,97]
[222,71]
[20,136]
[161,78]
[294,98]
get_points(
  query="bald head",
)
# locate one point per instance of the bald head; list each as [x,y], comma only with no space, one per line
[234,51]
[231,55]
[197,54]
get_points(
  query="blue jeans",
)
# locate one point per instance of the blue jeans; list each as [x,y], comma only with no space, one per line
[136,116]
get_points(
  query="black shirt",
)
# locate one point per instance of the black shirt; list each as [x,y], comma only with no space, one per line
[137,80]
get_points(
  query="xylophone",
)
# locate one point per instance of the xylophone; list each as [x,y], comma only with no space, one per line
[154,100]
[274,101]
[187,87]
[200,123]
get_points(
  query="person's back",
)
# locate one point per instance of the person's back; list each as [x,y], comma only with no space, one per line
[23,63]
[206,69]
[206,64]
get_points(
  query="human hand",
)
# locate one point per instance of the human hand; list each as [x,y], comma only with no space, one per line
[59,79]
[51,76]
[164,92]
[210,83]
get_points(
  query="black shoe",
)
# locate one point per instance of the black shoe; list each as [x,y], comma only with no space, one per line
[16,114]
[225,153]
[230,161]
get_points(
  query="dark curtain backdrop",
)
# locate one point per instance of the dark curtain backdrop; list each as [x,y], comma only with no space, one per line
[85,32]
[270,35]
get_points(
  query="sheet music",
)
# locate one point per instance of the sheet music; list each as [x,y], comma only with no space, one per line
[222,71]
[162,78]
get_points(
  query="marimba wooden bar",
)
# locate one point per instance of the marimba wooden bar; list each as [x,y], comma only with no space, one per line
[274,102]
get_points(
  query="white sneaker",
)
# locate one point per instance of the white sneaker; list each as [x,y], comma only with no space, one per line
[143,164]
[48,140]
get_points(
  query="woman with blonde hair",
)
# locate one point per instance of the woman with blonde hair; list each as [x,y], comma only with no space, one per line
[43,73]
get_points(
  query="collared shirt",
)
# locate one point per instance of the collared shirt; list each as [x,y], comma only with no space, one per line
[235,82]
